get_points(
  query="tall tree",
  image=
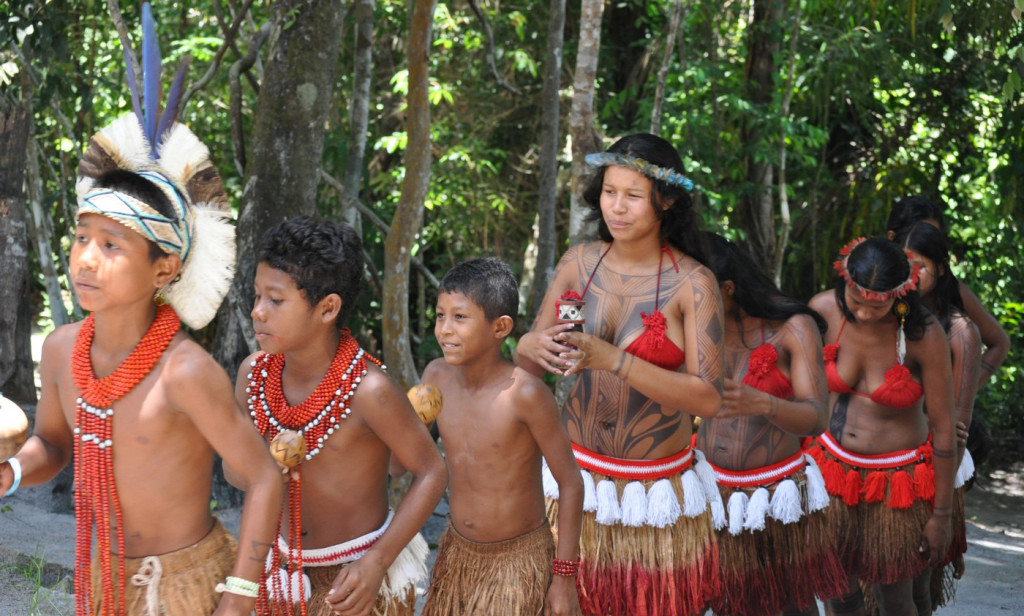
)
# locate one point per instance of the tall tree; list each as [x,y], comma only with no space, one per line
[549,138]
[756,207]
[359,112]
[283,167]
[585,138]
[408,218]
[16,380]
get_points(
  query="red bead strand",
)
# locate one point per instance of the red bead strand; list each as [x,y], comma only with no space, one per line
[96,500]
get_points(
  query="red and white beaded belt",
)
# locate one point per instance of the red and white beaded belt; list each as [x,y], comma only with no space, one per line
[885,460]
[761,475]
[623,468]
[346,552]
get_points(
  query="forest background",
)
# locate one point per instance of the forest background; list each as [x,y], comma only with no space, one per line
[449,130]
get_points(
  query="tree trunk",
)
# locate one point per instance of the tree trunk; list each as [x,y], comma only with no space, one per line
[755,211]
[585,138]
[550,138]
[666,61]
[359,113]
[16,381]
[283,167]
[409,214]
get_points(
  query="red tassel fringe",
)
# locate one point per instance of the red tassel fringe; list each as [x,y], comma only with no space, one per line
[901,494]
[874,487]
[851,492]
[924,481]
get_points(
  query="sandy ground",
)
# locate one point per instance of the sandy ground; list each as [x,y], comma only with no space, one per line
[37,551]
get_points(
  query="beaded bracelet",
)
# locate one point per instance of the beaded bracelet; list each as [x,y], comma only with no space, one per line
[238,586]
[16,469]
[565,568]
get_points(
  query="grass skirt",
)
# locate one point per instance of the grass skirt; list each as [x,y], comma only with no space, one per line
[774,563]
[876,539]
[321,579]
[666,565]
[180,583]
[502,578]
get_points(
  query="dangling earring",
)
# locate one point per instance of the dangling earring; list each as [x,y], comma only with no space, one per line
[159,298]
[902,309]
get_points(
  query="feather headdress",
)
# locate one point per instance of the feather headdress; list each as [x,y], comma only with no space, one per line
[154,145]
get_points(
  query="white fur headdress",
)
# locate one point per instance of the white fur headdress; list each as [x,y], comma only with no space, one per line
[165,152]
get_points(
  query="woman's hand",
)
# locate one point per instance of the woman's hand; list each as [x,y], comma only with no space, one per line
[741,400]
[544,349]
[588,352]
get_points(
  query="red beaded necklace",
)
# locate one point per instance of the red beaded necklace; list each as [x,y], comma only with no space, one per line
[96,492]
[316,418]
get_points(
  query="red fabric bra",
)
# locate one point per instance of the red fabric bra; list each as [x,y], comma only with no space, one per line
[763,372]
[898,390]
[652,345]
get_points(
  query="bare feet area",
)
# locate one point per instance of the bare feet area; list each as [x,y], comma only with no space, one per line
[37,549]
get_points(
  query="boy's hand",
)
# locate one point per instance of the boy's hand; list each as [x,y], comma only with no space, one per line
[355,589]
[6,478]
[562,599]
[234,605]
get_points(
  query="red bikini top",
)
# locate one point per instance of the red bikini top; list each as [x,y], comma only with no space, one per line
[652,345]
[898,390]
[763,372]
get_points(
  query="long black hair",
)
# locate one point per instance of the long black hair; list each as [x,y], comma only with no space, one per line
[679,221]
[878,264]
[755,292]
[927,241]
[908,211]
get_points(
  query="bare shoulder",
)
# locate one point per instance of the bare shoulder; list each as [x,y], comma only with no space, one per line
[802,325]
[825,303]
[934,338]
[530,394]
[189,366]
[59,343]
[377,394]
[963,328]
[437,372]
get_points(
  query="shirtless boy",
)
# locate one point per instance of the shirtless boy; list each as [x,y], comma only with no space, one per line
[495,558]
[359,556]
[139,403]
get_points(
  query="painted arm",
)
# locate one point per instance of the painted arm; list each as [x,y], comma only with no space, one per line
[937,378]
[993,336]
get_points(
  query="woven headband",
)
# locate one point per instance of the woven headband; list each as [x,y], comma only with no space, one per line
[900,290]
[172,235]
[664,174]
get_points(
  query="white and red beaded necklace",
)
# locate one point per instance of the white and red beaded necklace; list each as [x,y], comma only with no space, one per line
[96,492]
[316,419]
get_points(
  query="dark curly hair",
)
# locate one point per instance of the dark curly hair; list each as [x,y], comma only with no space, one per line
[134,185]
[908,211]
[755,293]
[880,265]
[489,282]
[679,221]
[321,256]
[927,241]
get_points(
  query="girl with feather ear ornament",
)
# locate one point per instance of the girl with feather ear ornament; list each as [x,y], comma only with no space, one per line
[143,408]
[888,455]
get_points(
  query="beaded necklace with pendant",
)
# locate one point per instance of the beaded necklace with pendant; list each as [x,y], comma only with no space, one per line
[316,419]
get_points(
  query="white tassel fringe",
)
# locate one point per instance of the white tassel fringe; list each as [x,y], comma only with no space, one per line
[408,569]
[662,504]
[695,502]
[965,471]
[817,495]
[548,481]
[589,496]
[737,511]
[634,504]
[757,509]
[608,511]
[785,505]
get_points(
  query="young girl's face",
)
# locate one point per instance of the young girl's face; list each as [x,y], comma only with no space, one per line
[626,204]
[867,311]
[928,273]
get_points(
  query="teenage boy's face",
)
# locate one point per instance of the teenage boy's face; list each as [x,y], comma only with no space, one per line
[281,315]
[461,328]
[111,265]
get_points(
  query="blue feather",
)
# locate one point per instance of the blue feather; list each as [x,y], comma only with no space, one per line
[150,75]
[170,112]
[131,85]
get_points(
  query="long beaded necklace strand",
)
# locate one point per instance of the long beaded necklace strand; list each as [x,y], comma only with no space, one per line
[96,492]
[316,419]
